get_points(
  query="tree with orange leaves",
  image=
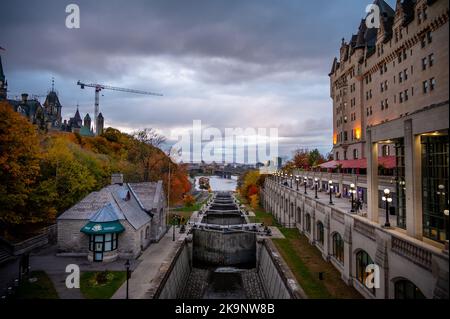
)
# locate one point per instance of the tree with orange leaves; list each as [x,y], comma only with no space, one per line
[19,165]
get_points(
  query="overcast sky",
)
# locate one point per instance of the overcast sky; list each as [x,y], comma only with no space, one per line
[260,64]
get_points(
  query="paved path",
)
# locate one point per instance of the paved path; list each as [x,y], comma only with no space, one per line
[55,267]
[149,264]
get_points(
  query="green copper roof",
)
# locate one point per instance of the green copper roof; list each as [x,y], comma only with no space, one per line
[93,228]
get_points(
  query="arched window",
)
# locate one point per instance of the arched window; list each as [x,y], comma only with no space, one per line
[362,261]
[405,289]
[320,233]
[308,223]
[338,247]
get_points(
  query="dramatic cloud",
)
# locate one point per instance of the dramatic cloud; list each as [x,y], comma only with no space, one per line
[227,63]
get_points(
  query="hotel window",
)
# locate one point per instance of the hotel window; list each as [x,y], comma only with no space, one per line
[338,248]
[362,261]
[435,185]
[431,59]
[425,87]
[345,136]
[355,154]
[320,233]
[406,95]
[429,37]
[382,87]
[382,105]
[405,72]
[386,105]
[404,54]
[432,84]
[345,156]
[401,97]
[308,220]
[400,77]
[425,13]
[424,64]
[405,289]
[419,17]
[423,43]
[385,85]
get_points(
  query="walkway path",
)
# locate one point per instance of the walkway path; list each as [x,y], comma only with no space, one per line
[150,262]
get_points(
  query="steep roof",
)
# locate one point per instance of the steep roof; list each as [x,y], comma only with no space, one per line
[105,214]
[112,201]
[52,99]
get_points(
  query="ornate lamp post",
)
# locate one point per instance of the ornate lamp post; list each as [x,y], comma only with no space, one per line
[291,180]
[297,180]
[316,180]
[387,199]
[353,191]
[305,180]
[127,266]
[330,188]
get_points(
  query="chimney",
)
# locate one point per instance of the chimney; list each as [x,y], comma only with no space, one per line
[117,178]
[24,98]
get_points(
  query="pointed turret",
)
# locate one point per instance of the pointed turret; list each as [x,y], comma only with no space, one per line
[3,83]
[99,124]
[87,121]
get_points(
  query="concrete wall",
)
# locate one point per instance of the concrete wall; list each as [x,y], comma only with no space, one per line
[399,256]
[277,279]
[224,248]
[172,283]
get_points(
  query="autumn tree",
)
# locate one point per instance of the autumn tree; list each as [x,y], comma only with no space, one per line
[19,165]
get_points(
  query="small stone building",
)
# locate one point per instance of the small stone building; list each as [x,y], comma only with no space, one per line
[119,221]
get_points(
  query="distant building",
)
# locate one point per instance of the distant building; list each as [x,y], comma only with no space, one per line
[119,221]
[99,125]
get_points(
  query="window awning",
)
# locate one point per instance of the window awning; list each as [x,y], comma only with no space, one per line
[93,228]
[387,162]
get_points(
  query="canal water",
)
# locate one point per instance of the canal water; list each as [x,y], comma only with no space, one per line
[219,184]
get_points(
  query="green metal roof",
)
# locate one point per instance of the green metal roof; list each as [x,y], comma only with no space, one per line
[93,228]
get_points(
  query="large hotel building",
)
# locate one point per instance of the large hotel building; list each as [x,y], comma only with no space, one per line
[393,82]
[390,93]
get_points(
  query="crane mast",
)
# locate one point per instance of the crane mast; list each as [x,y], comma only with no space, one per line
[99,87]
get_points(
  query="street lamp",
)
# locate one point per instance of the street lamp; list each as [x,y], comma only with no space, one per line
[291,180]
[387,199]
[297,180]
[127,266]
[305,180]
[315,186]
[352,191]
[330,188]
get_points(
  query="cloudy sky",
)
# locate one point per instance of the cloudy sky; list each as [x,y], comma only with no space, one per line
[247,63]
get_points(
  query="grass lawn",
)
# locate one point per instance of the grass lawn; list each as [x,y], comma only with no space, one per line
[306,262]
[41,289]
[101,285]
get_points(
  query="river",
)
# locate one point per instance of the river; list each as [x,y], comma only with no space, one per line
[219,184]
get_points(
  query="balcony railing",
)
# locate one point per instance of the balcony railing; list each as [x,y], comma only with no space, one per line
[364,229]
[414,253]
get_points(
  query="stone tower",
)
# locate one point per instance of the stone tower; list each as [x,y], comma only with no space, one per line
[100,123]
[3,82]
[53,107]
[87,121]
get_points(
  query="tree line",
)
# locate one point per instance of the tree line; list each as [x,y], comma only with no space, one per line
[44,174]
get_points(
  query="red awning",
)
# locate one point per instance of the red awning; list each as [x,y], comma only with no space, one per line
[386,162]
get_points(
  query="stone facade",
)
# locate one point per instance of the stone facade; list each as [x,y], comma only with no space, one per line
[141,210]
[399,256]
[386,74]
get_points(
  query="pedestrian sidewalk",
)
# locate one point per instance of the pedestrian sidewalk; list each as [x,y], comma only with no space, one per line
[147,270]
